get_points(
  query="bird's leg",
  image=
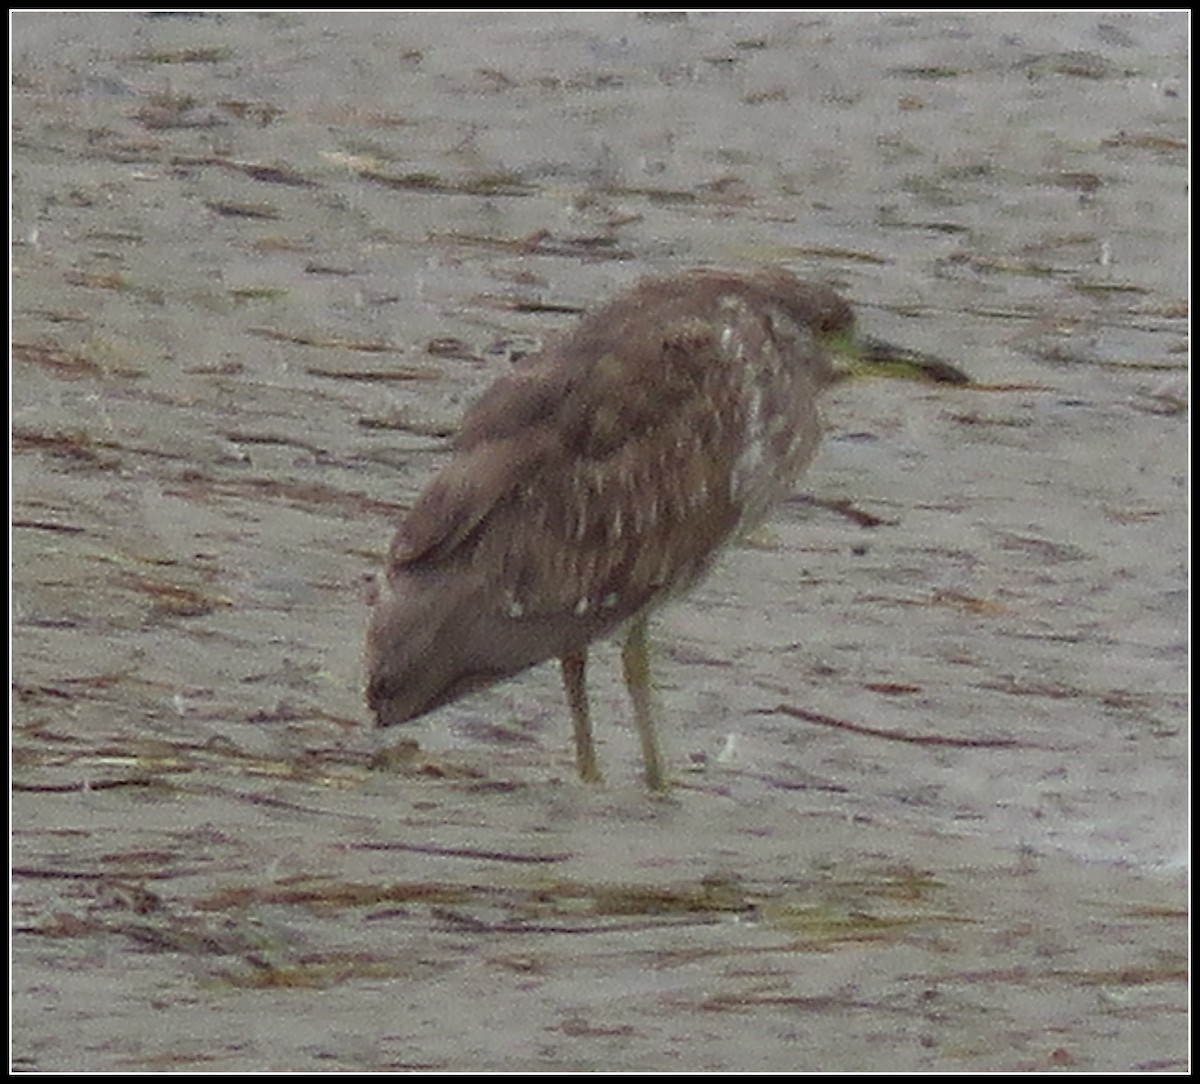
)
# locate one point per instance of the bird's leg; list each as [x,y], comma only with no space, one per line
[574,675]
[635,657]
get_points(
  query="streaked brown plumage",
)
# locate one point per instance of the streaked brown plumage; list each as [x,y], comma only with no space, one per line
[596,479]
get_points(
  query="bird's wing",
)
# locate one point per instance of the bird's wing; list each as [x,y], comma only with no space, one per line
[504,434]
[615,402]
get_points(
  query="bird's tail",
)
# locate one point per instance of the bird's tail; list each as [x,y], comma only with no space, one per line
[412,666]
[436,636]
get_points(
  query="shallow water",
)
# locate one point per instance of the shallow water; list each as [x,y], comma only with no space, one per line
[261,262]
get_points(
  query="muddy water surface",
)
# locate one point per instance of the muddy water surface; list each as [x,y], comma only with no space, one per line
[929,731]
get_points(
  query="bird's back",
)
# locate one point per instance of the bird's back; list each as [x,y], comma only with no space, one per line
[600,476]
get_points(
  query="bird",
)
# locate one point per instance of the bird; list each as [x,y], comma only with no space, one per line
[596,480]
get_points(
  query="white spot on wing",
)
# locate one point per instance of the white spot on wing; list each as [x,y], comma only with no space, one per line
[754,436]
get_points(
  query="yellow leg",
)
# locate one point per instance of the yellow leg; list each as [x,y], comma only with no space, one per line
[574,675]
[635,657]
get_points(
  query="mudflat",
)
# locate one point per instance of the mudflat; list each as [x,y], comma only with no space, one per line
[928,731]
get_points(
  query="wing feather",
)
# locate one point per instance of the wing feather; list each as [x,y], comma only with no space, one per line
[604,471]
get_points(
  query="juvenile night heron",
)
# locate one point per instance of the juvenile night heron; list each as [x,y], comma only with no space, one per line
[595,480]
